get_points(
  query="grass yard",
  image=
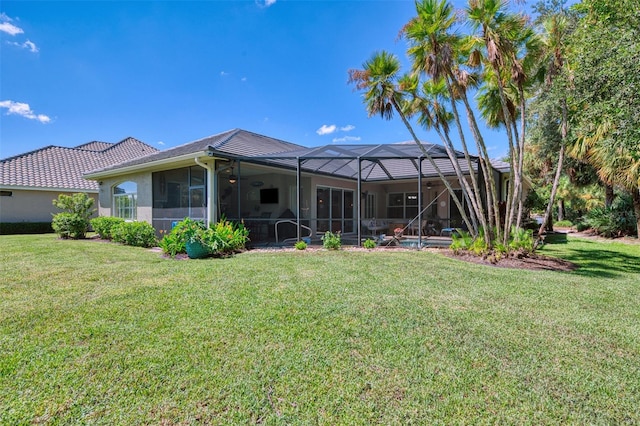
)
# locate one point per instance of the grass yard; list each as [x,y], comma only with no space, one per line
[100,333]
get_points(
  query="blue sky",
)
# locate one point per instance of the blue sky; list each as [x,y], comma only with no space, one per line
[168,73]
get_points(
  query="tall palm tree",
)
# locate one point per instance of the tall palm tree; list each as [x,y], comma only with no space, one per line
[427,101]
[434,49]
[555,33]
[504,38]
[378,78]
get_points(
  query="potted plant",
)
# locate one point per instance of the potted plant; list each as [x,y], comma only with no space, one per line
[191,233]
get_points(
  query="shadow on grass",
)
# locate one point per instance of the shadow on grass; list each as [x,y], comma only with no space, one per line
[595,259]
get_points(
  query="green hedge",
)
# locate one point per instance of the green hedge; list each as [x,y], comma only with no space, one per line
[12,228]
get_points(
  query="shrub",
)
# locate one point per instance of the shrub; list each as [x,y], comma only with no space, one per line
[172,244]
[300,245]
[138,234]
[74,221]
[613,221]
[331,241]
[11,228]
[564,224]
[223,237]
[369,244]
[69,225]
[104,224]
[227,237]
[521,240]
[461,240]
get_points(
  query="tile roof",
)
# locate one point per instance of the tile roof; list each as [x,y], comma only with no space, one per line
[58,167]
[380,162]
[235,142]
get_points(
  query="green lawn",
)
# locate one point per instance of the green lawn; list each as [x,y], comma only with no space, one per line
[106,334]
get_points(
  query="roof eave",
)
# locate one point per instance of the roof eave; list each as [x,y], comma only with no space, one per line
[100,174]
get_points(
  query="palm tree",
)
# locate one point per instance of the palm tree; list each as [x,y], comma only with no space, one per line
[427,101]
[555,31]
[434,48]
[378,78]
[498,33]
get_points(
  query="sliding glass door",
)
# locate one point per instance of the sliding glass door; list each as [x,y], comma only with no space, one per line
[335,210]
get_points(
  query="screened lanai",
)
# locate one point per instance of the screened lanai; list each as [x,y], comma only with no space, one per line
[363,165]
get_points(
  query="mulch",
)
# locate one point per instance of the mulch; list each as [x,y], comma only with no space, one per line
[532,262]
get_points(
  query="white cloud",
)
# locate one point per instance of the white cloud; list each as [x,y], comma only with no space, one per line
[265,3]
[224,73]
[7,27]
[347,128]
[326,129]
[26,45]
[243,79]
[160,143]
[347,139]
[24,110]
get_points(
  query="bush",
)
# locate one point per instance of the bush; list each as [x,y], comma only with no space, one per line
[137,234]
[74,221]
[331,241]
[563,224]
[104,224]
[12,228]
[614,221]
[222,238]
[521,240]
[227,237]
[369,244]
[461,240]
[69,225]
[300,245]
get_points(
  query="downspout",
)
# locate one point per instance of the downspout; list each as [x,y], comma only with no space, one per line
[420,203]
[211,189]
[359,201]
[298,199]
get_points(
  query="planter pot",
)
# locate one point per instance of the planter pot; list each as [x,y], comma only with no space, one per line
[196,250]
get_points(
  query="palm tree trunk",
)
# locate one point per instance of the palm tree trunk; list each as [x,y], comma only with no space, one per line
[609,195]
[635,195]
[476,200]
[512,157]
[435,166]
[523,122]
[485,164]
[556,178]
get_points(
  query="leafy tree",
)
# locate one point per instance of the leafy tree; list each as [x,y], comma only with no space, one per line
[605,57]
[74,221]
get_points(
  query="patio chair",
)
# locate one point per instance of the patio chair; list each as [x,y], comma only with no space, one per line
[374,226]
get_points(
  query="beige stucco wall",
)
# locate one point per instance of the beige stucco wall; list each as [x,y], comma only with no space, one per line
[31,205]
[145,202]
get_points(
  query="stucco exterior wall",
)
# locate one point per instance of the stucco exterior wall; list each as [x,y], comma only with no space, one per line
[145,194]
[31,205]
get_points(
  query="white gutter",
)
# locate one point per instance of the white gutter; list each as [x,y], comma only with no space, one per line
[138,167]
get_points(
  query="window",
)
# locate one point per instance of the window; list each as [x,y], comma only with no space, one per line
[402,205]
[369,205]
[6,193]
[335,210]
[125,200]
[454,214]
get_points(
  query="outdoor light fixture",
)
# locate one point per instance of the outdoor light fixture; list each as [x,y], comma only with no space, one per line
[428,185]
[232,178]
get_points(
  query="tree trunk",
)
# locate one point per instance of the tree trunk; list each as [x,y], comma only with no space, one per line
[560,209]
[547,221]
[636,209]
[608,195]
